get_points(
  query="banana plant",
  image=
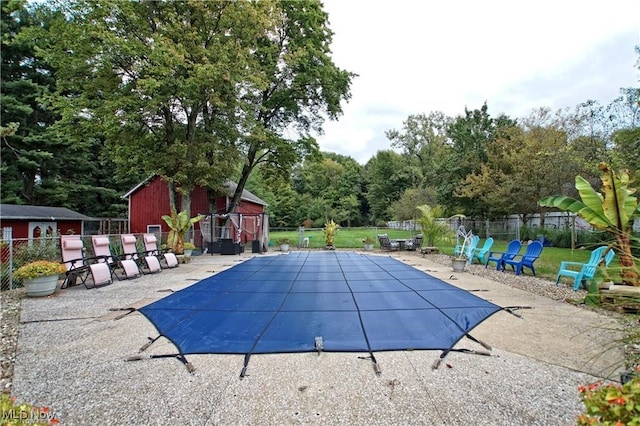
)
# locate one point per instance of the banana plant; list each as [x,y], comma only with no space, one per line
[612,211]
[179,224]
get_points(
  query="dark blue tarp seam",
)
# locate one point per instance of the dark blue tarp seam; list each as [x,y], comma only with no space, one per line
[446,351]
[255,343]
[376,367]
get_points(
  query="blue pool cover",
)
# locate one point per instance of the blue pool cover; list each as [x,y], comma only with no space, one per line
[353,302]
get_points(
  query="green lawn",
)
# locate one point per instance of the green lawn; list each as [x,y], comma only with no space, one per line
[546,266]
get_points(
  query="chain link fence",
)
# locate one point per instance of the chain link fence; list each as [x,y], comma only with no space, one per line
[507,229]
[15,252]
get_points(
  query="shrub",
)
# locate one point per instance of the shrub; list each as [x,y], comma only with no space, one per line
[39,268]
[43,248]
[611,404]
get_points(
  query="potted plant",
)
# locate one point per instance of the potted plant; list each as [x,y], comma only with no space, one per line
[40,277]
[368,243]
[188,248]
[284,244]
[459,259]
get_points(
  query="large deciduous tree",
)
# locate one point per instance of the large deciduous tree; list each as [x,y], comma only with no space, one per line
[524,163]
[470,136]
[387,178]
[423,138]
[160,81]
[295,86]
[331,184]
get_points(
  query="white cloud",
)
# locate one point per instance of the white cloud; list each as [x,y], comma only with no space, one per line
[415,57]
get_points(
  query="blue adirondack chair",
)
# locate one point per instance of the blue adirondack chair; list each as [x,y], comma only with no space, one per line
[609,257]
[481,253]
[519,262]
[580,272]
[497,256]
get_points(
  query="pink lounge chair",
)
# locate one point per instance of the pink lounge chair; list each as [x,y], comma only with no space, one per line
[81,267]
[102,251]
[147,263]
[168,259]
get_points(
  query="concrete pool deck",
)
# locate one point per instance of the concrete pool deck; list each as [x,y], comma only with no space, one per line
[73,348]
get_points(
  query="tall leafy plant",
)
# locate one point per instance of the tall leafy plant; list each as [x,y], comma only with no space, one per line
[612,211]
[330,231]
[432,229]
[179,224]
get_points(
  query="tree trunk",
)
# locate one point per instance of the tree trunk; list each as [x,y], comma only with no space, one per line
[246,172]
[172,196]
[628,268]
[185,202]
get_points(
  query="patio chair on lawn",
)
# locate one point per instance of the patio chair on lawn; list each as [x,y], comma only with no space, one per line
[481,253]
[499,257]
[102,250]
[167,259]
[519,262]
[580,272]
[147,263]
[386,244]
[80,267]
[416,243]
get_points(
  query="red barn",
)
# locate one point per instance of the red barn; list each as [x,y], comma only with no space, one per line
[39,221]
[149,201]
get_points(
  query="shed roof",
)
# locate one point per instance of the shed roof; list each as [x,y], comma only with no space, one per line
[27,212]
[229,185]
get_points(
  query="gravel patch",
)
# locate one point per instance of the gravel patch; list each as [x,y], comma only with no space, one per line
[10,321]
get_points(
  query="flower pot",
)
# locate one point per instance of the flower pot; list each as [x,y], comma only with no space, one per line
[284,247]
[41,286]
[187,252]
[368,247]
[458,264]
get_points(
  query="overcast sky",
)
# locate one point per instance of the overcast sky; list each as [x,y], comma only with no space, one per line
[416,56]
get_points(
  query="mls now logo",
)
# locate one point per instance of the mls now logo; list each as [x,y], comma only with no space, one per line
[33,415]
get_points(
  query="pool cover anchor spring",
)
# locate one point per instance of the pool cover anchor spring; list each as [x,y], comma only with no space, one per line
[444,354]
[140,356]
[376,366]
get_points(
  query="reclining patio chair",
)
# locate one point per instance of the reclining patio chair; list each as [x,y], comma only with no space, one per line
[416,243]
[499,257]
[386,244]
[481,253]
[102,251]
[167,259]
[147,263]
[519,262]
[580,272]
[80,267]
